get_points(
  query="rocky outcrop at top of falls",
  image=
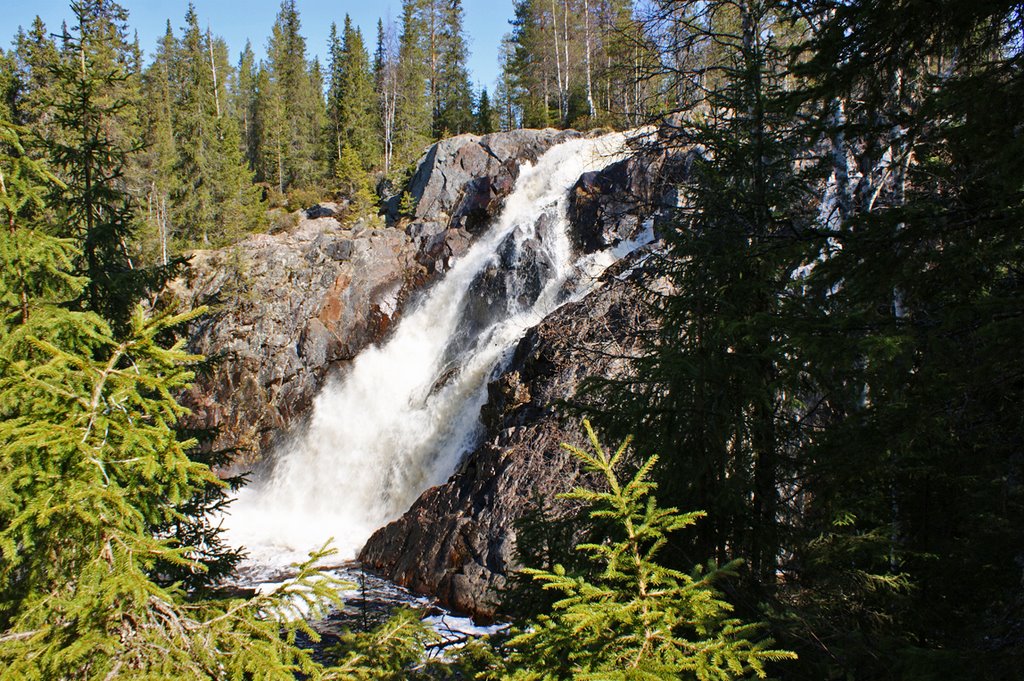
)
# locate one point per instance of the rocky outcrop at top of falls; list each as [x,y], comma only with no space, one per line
[287,307]
[460,183]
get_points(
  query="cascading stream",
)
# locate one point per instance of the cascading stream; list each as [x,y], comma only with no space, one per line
[402,417]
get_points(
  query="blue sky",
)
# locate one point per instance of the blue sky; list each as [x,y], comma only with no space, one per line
[486,21]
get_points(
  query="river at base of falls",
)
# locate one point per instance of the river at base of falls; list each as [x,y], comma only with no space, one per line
[368,602]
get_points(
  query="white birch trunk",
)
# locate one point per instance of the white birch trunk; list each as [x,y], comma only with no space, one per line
[558,58]
[586,38]
[213,68]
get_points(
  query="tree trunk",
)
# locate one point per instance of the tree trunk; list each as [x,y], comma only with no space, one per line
[565,47]
[840,162]
[213,68]
[558,59]
[586,38]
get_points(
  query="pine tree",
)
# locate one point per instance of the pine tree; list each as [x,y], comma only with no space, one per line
[638,619]
[453,95]
[412,108]
[629,68]
[294,115]
[486,117]
[509,114]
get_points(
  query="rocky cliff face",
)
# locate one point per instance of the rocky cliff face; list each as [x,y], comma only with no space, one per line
[289,307]
[286,308]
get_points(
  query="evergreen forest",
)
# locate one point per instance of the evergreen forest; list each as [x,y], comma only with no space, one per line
[812,470]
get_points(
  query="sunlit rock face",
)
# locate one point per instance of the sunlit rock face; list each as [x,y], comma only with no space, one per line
[406,412]
[284,309]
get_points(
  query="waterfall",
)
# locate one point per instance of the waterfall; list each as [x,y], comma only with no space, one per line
[403,415]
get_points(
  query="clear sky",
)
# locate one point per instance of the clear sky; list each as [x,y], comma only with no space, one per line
[486,21]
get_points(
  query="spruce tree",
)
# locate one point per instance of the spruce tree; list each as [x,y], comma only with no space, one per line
[215,200]
[354,182]
[91,466]
[110,46]
[37,56]
[924,229]
[386,79]
[90,149]
[354,98]
[158,158]
[412,108]
[486,116]
[335,58]
[718,392]
[96,481]
[244,94]
[36,278]
[294,116]
[271,132]
[637,619]
[453,96]
[8,87]
[830,292]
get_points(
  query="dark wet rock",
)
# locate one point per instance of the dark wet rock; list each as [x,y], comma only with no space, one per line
[457,542]
[605,206]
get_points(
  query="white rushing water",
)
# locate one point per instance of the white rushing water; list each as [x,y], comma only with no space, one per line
[402,417]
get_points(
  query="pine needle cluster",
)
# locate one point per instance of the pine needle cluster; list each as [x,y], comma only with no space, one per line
[638,619]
